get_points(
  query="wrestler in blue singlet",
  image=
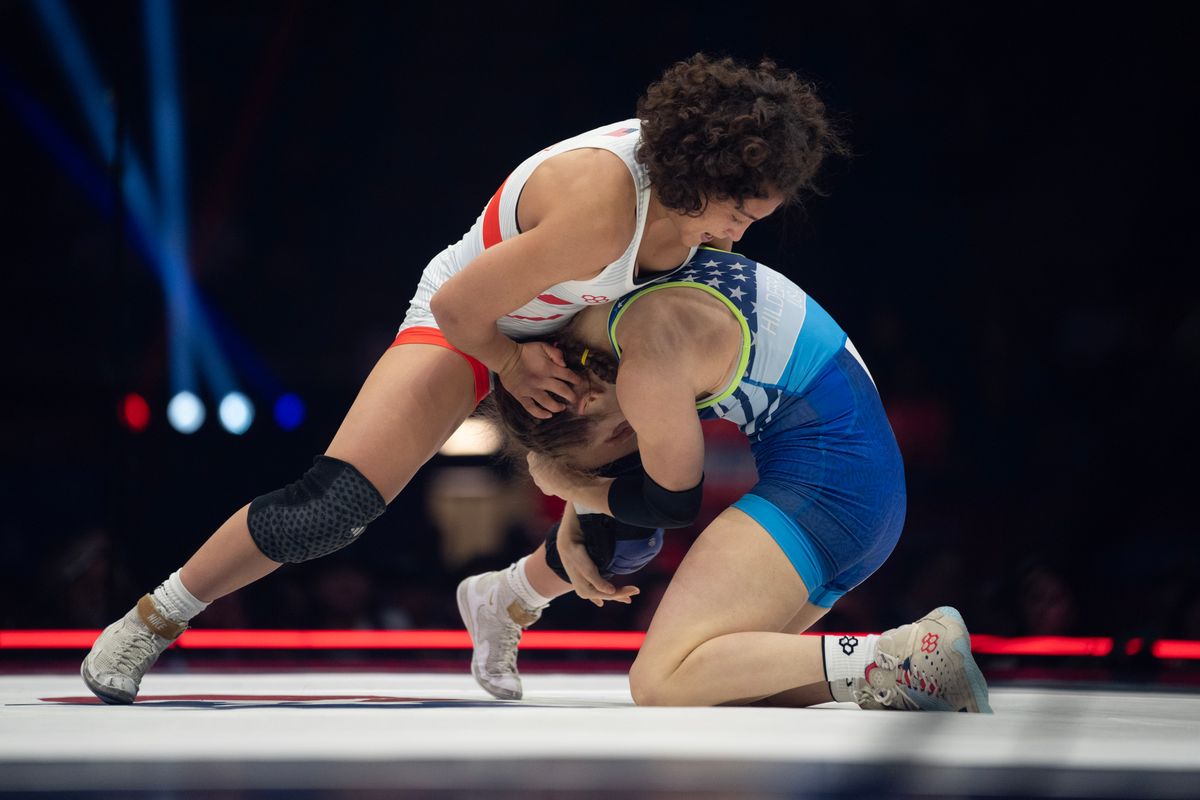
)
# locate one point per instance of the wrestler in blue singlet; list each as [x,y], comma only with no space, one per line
[830,485]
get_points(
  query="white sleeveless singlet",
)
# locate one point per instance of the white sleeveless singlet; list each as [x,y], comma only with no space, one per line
[555,306]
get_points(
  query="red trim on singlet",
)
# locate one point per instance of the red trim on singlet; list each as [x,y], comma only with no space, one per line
[491,220]
[492,236]
[420,334]
[534,319]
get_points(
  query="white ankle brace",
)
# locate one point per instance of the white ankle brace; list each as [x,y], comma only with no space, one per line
[516,579]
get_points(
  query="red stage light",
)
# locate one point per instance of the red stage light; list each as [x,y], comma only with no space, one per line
[1175,648]
[205,639]
[135,412]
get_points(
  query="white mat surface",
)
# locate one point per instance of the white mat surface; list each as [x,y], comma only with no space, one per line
[270,730]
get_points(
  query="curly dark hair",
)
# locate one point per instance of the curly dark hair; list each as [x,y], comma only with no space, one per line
[565,430]
[719,129]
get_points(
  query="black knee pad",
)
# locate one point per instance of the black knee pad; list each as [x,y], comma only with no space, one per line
[322,512]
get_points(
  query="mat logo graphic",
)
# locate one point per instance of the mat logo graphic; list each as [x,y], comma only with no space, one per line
[848,644]
[929,643]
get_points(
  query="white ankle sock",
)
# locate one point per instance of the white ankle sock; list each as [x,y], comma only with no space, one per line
[175,602]
[516,579]
[847,656]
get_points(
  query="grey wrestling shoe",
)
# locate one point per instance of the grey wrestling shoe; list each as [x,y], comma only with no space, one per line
[494,617]
[925,666]
[114,668]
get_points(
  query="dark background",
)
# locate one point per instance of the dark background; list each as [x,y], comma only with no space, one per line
[1011,249]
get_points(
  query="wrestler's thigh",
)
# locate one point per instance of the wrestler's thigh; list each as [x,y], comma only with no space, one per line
[805,618]
[414,398]
[734,578]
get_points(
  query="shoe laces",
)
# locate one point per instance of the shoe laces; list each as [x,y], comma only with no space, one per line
[510,637]
[136,646]
[905,677]
[503,657]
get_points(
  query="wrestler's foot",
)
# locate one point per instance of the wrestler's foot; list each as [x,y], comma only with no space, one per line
[494,617]
[126,649]
[925,666]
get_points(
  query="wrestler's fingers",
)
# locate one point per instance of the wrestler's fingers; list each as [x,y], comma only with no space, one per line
[535,410]
[548,401]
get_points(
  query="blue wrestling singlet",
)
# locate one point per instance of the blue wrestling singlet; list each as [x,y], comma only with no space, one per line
[830,485]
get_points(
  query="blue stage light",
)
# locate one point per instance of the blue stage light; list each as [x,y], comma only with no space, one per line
[289,412]
[159,225]
[95,100]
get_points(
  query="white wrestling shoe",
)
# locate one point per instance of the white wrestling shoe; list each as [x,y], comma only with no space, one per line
[494,617]
[925,666]
[114,668]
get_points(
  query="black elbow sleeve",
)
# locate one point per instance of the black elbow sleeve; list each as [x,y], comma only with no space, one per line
[638,500]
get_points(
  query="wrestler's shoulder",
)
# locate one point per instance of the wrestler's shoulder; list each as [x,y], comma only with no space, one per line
[591,183]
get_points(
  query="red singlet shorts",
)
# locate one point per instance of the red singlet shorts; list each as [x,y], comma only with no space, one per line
[419,334]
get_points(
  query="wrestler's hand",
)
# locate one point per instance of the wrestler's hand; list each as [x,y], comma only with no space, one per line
[551,476]
[555,478]
[585,577]
[535,370]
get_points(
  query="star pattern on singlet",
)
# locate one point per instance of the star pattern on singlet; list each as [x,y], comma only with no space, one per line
[728,275]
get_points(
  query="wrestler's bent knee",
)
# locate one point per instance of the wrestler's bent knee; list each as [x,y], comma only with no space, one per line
[648,685]
[327,509]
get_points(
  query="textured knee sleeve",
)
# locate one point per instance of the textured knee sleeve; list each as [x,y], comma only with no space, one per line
[322,512]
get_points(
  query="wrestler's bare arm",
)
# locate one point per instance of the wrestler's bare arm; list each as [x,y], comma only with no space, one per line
[577,217]
[657,395]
